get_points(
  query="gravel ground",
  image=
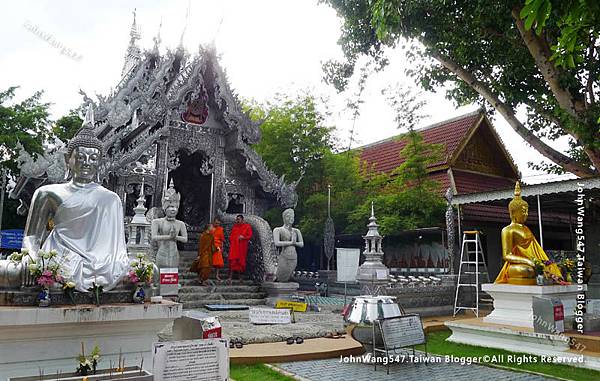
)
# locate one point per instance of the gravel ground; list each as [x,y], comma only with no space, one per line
[236,324]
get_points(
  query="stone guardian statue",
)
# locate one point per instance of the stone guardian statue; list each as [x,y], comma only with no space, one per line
[286,239]
[87,219]
[167,231]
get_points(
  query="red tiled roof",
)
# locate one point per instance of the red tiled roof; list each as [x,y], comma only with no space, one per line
[442,178]
[468,182]
[494,213]
[384,156]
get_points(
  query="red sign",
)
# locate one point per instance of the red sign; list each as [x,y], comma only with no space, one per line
[559,313]
[345,310]
[169,278]
[213,333]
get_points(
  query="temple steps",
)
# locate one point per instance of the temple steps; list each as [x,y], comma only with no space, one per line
[192,295]
[191,279]
[202,303]
[220,296]
[219,288]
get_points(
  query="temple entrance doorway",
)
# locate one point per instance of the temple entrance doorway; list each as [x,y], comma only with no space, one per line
[194,186]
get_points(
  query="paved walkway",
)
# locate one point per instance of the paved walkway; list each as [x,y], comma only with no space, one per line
[334,370]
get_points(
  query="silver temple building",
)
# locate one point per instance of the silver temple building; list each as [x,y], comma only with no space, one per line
[174,116]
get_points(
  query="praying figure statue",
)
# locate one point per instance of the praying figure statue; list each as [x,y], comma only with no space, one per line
[167,231]
[520,248]
[85,219]
[287,239]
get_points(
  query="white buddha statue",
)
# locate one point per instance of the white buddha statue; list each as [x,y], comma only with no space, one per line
[87,227]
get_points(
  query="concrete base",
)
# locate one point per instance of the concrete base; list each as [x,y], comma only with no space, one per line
[518,339]
[50,338]
[373,272]
[279,290]
[513,304]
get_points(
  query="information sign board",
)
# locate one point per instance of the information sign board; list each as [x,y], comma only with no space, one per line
[270,316]
[199,360]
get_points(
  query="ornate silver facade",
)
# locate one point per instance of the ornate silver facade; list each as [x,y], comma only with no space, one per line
[174,116]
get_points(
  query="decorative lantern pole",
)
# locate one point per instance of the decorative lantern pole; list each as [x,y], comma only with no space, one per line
[373,270]
[329,233]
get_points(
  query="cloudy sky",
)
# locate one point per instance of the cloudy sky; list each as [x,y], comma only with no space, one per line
[266,47]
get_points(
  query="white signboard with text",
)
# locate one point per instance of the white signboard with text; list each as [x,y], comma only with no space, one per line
[198,360]
[402,331]
[270,316]
[593,307]
[169,281]
[347,264]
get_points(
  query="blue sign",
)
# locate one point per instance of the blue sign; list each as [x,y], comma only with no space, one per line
[11,238]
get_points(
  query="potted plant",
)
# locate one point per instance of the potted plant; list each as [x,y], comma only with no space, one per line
[140,274]
[567,266]
[45,270]
[88,364]
[539,266]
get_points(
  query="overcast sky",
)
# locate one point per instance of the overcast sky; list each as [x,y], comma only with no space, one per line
[266,47]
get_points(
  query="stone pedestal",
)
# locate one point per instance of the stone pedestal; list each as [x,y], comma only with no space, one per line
[50,338]
[279,291]
[520,339]
[513,303]
[372,272]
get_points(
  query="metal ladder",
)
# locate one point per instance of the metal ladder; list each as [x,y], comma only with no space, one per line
[468,267]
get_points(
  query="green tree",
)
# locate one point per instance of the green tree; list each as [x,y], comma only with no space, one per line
[294,137]
[25,122]
[296,142]
[341,171]
[67,126]
[406,198]
[485,52]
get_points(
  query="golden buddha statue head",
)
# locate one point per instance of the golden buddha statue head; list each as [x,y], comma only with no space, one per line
[518,208]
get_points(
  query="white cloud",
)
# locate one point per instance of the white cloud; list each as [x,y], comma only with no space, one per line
[266,47]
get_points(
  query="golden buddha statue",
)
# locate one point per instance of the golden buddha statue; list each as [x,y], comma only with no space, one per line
[520,248]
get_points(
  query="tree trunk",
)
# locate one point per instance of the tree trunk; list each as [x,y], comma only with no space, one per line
[557,157]
[539,50]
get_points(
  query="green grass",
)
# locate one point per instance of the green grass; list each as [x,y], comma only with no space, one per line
[257,372]
[437,344]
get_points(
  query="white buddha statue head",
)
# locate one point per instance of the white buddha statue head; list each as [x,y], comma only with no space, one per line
[84,152]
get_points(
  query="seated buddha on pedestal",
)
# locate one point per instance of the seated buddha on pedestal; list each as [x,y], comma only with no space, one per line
[520,248]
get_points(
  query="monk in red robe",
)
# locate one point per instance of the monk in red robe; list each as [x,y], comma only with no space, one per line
[238,246]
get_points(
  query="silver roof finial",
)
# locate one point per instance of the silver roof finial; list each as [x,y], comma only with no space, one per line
[134,53]
[157,39]
[187,20]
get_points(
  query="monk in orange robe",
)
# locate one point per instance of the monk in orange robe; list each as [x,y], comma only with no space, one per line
[238,246]
[219,237]
[205,254]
